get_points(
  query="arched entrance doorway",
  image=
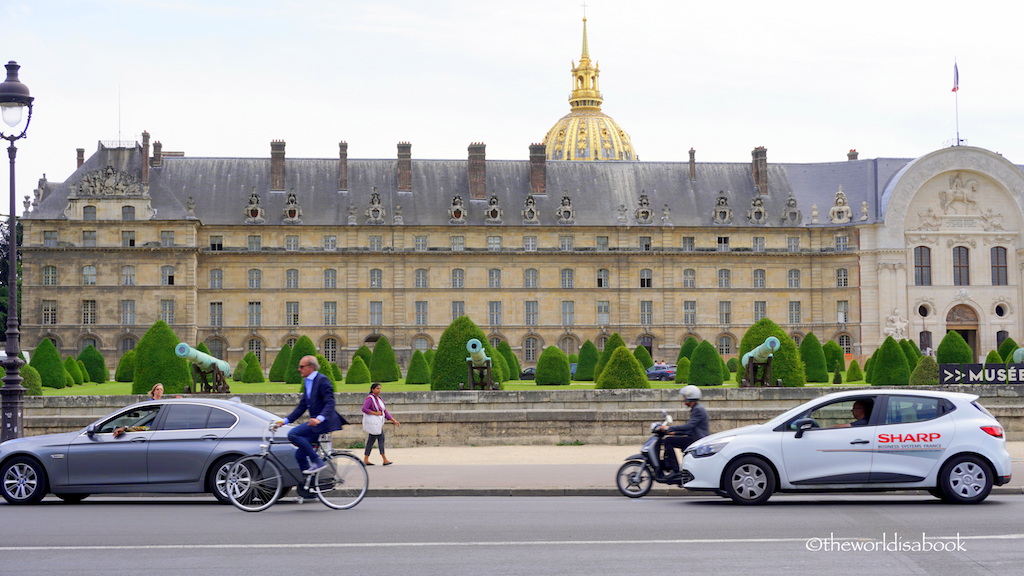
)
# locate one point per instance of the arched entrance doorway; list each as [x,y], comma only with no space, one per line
[964,320]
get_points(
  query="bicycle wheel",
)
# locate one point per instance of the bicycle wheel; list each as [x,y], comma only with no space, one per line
[254,483]
[343,483]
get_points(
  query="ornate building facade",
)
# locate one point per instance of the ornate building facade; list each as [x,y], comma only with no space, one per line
[577,242]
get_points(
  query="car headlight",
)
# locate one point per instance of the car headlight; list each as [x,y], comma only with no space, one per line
[705,449]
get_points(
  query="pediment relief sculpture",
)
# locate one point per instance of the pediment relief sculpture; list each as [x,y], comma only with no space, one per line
[110,182]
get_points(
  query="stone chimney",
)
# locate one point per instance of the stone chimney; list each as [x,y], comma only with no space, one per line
[145,157]
[404,167]
[342,165]
[477,171]
[759,169]
[693,165]
[538,169]
[80,153]
[158,155]
[852,155]
[277,164]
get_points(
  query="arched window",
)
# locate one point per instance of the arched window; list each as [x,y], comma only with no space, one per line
[127,275]
[793,278]
[846,343]
[530,276]
[961,266]
[922,266]
[421,343]
[569,345]
[724,345]
[86,342]
[458,278]
[88,275]
[127,343]
[255,279]
[330,349]
[167,275]
[255,345]
[216,346]
[530,346]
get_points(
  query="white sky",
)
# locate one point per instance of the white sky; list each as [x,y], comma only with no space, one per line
[809,80]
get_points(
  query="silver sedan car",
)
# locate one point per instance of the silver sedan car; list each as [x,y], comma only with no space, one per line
[181,445]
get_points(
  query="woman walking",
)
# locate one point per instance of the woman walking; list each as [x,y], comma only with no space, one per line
[374,415]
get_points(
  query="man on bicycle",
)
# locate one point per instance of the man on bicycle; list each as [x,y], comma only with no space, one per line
[317,397]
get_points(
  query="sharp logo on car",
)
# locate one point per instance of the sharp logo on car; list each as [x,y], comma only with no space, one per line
[920,437]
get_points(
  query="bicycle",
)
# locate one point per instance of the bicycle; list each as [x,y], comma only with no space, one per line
[255,482]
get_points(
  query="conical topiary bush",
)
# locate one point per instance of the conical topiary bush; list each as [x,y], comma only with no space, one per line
[358,373]
[46,360]
[419,372]
[622,370]
[95,364]
[786,362]
[588,362]
[303,347]
[156,362]
[552,367]
[383,365]
[892,368]
[613,342]
[705,366]
[813,356]
[279,368]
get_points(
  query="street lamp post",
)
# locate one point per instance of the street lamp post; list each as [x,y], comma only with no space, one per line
[14,99]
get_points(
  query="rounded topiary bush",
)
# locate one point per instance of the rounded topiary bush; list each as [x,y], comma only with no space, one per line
[1007,348]
[449,369]
[994,358]
[383,364]
[926,373]
[71,365]
[303,347]
[279,367]
[813,357]
[834,354]
[683,371]
[892,368]
[786,362]
[511,362]
[588,362]
[46,360]
[552,367]
[644,356]
[953,350]
[733,364]
[31,380]
[125,367]
[622,370]
[366,354]
[613,342]
[854,373]
[238,374]
[358,373]
[156,362]
[910,351]
[686,350]
[253,371]
[705,366]
[419,372]
[95,364]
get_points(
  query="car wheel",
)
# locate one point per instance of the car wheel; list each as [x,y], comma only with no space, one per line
[217,479]
[665,378]
[965,479]
[72,498]
[634,479]
[749,480]
[23,481]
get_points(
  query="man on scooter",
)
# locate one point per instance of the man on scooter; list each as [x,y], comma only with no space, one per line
[685,434]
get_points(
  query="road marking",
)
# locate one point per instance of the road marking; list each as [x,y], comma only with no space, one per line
[354,545]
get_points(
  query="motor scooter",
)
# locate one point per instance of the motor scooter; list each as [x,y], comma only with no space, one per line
[640,471]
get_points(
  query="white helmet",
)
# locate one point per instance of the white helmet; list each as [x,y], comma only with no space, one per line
[690,393]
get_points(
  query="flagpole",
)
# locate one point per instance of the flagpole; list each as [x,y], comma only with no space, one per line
[956,101]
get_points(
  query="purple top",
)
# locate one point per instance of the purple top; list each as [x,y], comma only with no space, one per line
[375,404]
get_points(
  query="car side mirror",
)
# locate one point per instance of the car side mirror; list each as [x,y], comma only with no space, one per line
[90,430]
[803,425]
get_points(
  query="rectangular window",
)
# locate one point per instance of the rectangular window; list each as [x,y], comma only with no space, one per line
[127,238]
[458,243]
[216,279]
[88,311]
[688,244]
[255,279]
[330,313]
[291,313]
[49,275]
[421,312]
[759,278]
[376,278]
[530,243]
[494,278]
[531,313]
[89,238]
[602,243]
[568,313]
[216,314]
[330,278]
[567,278]
[494,313]
[999,267]
[494,243]
[127,275]
[565,243]
[690,312]
[793,244]
[255,314]
[167,311]
[216,243]
[254,243]
[50,238]
[127,312]
[291,242]
[689,278]
[458,309]
[646,312]
[645,243]
[724,278]
[842,243]
[376,243]
[88,275]
[167,238]
[291,278]
[794,312]
[843,311]
[420,243]
[376,313]
[646,278]
[603,312]
[49,311]
[723,243]
[757,244]
[961,266]
[725,312]
[922,266]
[760,310]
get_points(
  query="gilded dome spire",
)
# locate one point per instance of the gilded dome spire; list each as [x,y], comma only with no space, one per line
[586,133]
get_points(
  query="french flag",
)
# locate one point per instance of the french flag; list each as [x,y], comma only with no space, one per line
[956,78]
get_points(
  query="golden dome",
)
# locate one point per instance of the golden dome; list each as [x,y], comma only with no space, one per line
[586,133]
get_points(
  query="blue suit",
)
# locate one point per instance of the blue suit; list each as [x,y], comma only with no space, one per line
[319,401]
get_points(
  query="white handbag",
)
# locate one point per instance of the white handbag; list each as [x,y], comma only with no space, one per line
[373,424]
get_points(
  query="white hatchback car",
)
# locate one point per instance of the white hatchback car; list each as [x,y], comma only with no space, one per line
[871,439]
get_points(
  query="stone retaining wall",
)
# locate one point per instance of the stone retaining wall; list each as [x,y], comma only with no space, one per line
[542,416]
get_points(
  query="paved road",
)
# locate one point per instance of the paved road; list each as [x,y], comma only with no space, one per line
[497,536]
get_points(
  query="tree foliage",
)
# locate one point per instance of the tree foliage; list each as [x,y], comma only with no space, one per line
[511,362]
[1007,348]
[622,370]
[686,351]
[366,354]
[31,380]
[71,365]
[449,369]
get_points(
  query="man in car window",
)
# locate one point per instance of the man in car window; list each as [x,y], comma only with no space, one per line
[861,413]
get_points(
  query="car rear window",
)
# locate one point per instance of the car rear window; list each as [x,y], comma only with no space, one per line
[196,416]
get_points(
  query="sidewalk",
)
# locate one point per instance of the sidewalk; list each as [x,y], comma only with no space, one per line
[587,470]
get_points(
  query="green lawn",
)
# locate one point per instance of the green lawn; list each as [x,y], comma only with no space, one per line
[122,388]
